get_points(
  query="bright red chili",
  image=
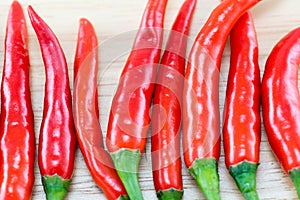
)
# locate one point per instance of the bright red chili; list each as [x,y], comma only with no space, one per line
[17,140]
[281,103]
[129,116]
[201,137]
[166,117]
[56,149]
[86,112]
[241,128]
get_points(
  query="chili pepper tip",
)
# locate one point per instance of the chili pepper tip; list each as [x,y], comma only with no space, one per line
[32,14]
[244,175]
[17,10]
[30,9]
[55,187]
[295,176]
[126,163]
[84,21]
[205,171]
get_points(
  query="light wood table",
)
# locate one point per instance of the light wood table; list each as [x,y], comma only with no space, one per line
[115,22]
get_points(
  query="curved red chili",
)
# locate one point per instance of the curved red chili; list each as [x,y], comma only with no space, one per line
[281,103]
[17,140]
[56,149]
[129,116]
[88,130]
[201,137]
[241,128]
[166,117]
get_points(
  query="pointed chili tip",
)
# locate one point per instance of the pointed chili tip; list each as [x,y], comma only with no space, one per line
[16,7]
[42,30]
[30,10]
[205,171]
[87,33]
[16,14]
[32,14]
[86,27]
[244,175]
[84,21]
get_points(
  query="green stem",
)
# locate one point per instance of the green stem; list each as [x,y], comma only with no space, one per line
[170,194]
[126,163]
[205,171]
[244,175]
[123,198]
[55,187]
[295,176]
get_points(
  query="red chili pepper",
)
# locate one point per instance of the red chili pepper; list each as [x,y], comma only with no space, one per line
[17,140]
[166,115]
[56,150]
[129,116]
[86,112]
[281,104]
[201,137]
[242,107]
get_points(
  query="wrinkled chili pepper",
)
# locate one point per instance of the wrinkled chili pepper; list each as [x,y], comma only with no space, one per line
[86,113]
[241,128]
[281,104]
[17,138]
[129,116]
[201,137]
[166,117]
[56,149]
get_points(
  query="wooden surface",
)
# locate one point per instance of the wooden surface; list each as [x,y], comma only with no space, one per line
[115,22]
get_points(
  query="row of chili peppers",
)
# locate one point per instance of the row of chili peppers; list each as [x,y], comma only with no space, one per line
[129,119]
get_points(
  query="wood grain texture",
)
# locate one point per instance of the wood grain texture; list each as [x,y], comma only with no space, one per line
[115,23]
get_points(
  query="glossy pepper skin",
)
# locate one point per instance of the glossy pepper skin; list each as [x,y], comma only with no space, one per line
[241,128]
[129,116]
[86,113]
[56,151]
[166,116]
[281,103]
[201,137]
[17,140]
